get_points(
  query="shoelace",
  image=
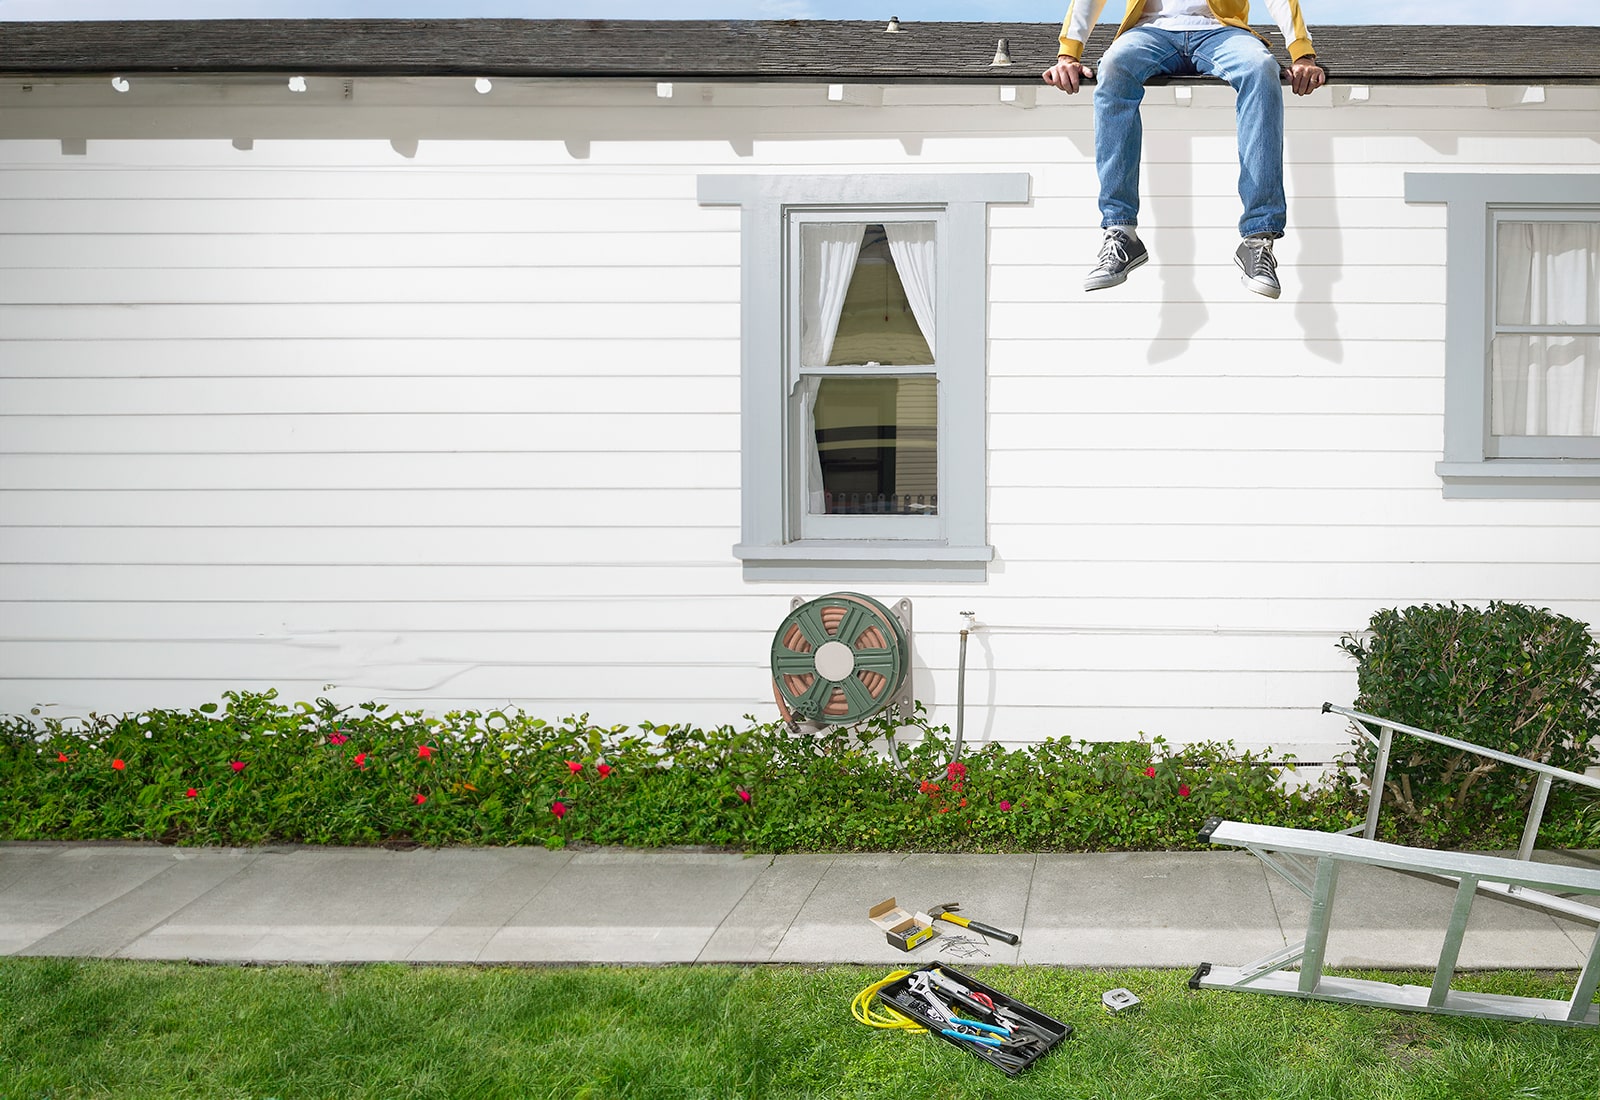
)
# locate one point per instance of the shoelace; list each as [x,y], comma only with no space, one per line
[1112,250]
[1262,261]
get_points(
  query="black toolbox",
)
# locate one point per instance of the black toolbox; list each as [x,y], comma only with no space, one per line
[1034,1033]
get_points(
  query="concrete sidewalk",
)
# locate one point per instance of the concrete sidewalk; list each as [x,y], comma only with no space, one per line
[523,905]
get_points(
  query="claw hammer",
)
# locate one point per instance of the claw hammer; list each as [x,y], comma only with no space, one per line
[947,911]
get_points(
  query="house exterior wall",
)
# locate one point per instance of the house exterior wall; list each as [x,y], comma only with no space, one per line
[404,393]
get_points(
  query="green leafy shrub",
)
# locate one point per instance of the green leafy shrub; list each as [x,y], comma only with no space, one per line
[1510,677]
[255,770]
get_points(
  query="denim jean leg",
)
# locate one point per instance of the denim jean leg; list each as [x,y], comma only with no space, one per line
[1135,57]
[1245,63]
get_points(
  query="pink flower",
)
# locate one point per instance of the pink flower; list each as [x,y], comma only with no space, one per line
[237,765]
[744,796]
[1004,805]
[424,751]
[604,770]
[338,738]
[559,809]
[118,765]
[574,767]
[1183,790]
[1150,771]
[361,759]
[191,793]
[419,799]
[956,770]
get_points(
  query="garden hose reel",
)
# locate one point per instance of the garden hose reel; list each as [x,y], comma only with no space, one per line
[841,659]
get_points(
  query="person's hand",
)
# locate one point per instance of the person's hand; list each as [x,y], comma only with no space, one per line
[1067,73]
[1306,76]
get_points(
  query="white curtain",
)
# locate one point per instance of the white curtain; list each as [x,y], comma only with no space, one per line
[911,246]
[1548,273]
[827,261]
[816,495]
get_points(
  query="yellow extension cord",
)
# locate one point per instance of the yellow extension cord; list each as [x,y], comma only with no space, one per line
[881,1015]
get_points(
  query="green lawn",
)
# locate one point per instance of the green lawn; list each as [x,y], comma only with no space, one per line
[78,1028]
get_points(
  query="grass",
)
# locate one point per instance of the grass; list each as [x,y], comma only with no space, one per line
[96,1028]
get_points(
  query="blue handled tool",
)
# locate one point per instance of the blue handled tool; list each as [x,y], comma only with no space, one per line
[994,1029]
[982,1040]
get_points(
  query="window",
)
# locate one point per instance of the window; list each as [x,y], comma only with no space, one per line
[864,305]
[1522,350]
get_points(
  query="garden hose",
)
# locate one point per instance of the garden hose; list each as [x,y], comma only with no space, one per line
[881,1015]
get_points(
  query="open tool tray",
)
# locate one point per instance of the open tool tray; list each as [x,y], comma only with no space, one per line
[1025,1021]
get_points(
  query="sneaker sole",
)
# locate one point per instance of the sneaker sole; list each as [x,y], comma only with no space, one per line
[1115,280]
[1266,290]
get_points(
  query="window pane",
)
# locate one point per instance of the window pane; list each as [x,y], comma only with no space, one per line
[1548,273]
[1545,385]
[867,294]
[876,447]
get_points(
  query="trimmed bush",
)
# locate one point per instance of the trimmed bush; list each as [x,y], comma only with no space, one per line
[255,770]
[1518,679]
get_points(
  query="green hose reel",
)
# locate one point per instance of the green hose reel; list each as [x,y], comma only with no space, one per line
[841,659]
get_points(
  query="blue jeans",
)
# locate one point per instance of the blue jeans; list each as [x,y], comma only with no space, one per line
[1236,56]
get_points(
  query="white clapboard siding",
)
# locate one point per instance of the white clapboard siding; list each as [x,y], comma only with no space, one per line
[525,469]
[293,357]
[453,423]
[249,433]
[233,250]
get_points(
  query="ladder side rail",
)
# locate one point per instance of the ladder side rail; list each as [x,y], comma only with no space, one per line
[1466,746]
[1308,842]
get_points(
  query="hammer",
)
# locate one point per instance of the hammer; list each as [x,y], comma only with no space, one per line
[947,911]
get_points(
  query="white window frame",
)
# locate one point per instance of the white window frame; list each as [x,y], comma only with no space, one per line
[1477,464]
[772,544]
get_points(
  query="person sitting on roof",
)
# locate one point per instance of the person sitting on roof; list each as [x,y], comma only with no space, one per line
[1188,38]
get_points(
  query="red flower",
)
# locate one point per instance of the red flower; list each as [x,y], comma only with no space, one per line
[361,759]
[1183,790]
[744,796]
[118,764]
[338,738]
[424,751]
[191,793]
[956,770]
[419,799]
[604,770]
[574,767]
[237,765]
[944,809]
[963,801]
[1004,805]
[928,788]
[61,758]
[1150,771]
[559,809]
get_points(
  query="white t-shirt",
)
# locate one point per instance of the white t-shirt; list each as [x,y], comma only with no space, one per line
[1178,15]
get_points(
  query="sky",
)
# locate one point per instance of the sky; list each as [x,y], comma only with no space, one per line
[1521,12]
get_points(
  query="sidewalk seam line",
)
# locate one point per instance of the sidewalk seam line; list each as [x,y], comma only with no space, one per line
[772,859]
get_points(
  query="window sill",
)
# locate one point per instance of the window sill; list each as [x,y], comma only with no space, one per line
[1521,479]
[846,560]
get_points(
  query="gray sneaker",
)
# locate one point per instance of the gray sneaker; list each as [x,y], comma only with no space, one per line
[1260,267]
[1119,254]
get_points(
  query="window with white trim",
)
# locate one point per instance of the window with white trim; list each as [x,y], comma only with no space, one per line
[1522,344]
[863,343]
